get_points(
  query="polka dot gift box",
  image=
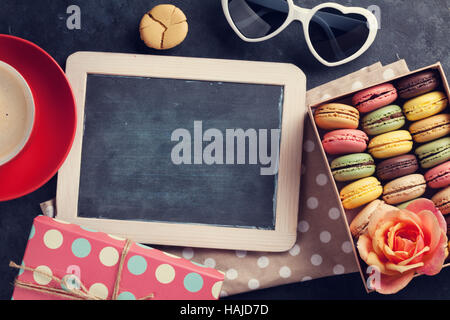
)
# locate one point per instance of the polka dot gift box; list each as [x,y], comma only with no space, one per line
[66,261]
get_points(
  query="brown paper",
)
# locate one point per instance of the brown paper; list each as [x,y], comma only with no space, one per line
[323,247]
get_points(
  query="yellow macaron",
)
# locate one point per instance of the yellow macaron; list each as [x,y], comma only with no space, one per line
[425,106]
[391,144]
[361,192]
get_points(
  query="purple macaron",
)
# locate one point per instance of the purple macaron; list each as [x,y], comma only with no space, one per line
[397,167]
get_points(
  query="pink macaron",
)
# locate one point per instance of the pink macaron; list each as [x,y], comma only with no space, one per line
[439,177]
[374,98]
[345,141]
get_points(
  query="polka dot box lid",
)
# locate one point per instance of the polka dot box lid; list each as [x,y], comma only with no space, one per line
[61,249]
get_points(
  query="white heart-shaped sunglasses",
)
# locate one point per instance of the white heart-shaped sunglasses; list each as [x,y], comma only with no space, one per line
[335,34]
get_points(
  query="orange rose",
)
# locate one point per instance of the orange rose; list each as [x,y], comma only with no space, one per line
[400,243]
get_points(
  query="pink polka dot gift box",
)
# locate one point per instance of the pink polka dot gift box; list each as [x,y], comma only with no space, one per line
[65,261]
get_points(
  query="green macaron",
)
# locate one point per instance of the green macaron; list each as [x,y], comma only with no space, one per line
[352,167]
[433,153]
[383,120]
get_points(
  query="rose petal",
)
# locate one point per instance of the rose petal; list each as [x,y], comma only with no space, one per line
[364,246]
[394,256]
[421,204]
[434,261]
[415,258]
[425,204]
[391,223]
[378,216]
[379,238]
[430,228]
[374,260]
[393,284]
[392,232]
[402,269]
[410,220]
[419,247]
[366,253]
[405,245]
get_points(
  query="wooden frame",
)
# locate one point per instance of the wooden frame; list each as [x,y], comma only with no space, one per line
[80,64]
[348,215]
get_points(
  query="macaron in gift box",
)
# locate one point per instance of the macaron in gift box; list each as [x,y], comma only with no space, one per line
[407,125]
[382,112]
[396,167]
[434,153]
[431,128]
[375,97]
[425,106]
[383,120]
[417,84]
[352,167]
[439,177]
[404,189]
[344,141]
[391,144]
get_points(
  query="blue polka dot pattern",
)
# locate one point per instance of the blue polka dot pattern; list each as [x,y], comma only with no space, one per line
[126,296]
[21,271]
[144,246]
[199,264]
[81,248]
[137,265]
[32,232]
[193,282]
[88,229]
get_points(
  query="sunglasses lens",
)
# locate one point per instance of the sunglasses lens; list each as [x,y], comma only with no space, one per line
[336,36]
[258,18]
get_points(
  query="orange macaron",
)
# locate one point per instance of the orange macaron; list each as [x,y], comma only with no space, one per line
[332,116]
[430,129]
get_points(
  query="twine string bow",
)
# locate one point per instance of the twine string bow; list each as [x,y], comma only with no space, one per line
[68,290]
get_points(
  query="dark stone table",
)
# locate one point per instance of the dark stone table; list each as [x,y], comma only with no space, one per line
[415,30]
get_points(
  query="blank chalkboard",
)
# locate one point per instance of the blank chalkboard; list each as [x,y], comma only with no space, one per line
[127,171]
[168,155]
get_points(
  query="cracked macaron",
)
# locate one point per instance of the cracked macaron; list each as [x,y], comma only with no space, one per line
[352,167]
[375,97]
[163,27]
[332,116]
[404,189]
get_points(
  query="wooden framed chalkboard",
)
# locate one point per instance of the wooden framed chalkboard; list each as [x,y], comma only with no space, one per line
[185,151]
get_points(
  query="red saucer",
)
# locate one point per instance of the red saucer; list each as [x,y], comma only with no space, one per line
[55,122]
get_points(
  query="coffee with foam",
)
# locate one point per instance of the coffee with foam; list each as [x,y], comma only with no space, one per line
[16,113]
